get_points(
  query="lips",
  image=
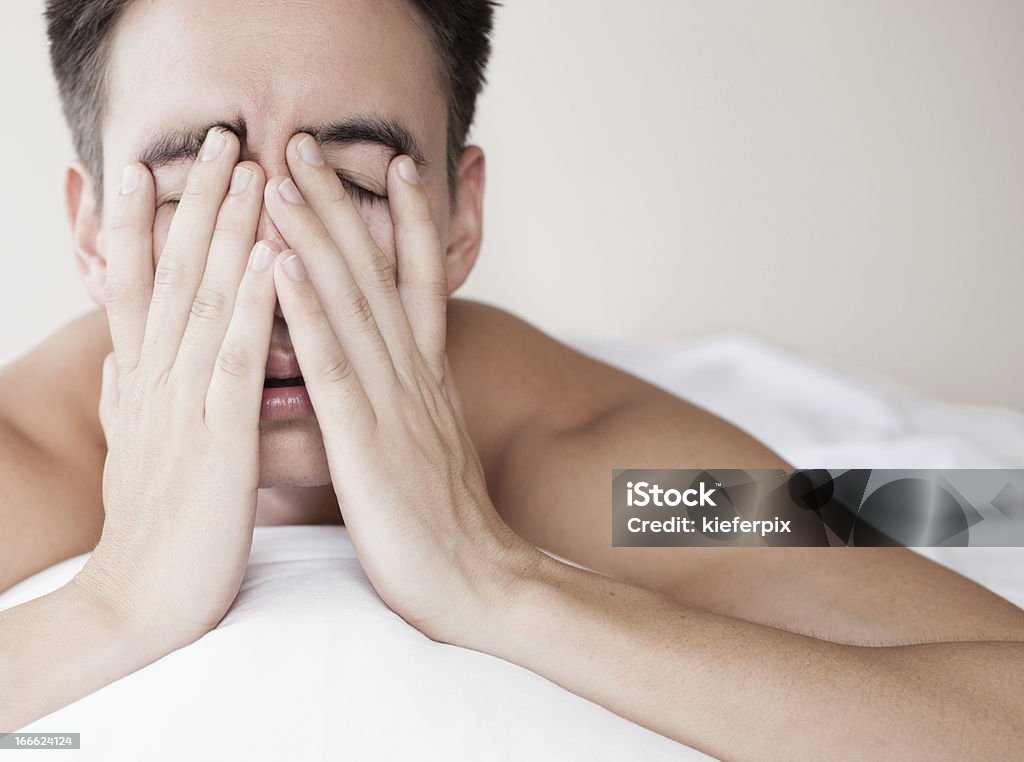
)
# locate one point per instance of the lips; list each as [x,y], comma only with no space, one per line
[282,370]
[285,398]
[274,383]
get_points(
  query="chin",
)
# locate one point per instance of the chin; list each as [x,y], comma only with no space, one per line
[292,454]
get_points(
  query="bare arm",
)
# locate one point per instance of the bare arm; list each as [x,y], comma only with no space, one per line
[748,652]
[67,627]
[63,646]
[866,596]
[741,690]
[51,503]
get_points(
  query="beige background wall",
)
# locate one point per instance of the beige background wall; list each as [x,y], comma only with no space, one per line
[844,179]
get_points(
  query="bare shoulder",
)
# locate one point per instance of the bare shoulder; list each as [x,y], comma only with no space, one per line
[513,377]
[496,354]
[517,383]
[51,450]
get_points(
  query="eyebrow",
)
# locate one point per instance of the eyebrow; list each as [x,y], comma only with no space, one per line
[183,144]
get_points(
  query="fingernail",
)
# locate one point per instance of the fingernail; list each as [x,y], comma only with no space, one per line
[213,145]
[310,152]
[407,171]
[262,256]
[240,179]
[290,193]
[130,179]
[293,268]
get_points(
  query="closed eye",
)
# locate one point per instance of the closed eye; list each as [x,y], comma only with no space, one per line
[358,193]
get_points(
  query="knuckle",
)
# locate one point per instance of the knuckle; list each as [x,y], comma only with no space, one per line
[358,309]
[196,190]
[227,226]
[436,288]
[322,236]
[202,185]
[171,272]
[134,390]
[210,304]
[336,369]
[234,361]
[379,274]
[248,304]
[118,292]
[233,217]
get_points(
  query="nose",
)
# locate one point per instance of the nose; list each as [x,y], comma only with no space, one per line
[273,164]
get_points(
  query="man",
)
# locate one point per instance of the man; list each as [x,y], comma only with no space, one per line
[272,204]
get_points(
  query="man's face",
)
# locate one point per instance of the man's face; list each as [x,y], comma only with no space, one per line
[279,67]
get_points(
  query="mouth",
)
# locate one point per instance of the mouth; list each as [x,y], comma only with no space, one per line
[285,398]
[282,369]
[275,383]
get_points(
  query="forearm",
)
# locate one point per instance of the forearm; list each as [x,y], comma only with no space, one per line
[746,691]
[62,646]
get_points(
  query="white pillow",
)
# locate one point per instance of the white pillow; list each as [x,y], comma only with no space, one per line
[310,664]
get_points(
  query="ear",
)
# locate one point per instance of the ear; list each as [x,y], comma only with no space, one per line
[465,227]
[80,204]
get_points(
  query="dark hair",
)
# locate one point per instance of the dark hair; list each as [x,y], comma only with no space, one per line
[80,34]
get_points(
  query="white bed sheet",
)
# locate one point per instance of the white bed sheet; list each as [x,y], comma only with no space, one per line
[309,664]
[816,417]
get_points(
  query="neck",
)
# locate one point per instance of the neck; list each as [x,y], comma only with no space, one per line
[276,506]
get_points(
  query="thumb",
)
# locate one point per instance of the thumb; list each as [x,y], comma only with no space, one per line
[109,397]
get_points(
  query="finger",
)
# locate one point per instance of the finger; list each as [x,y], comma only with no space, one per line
[212,307]
[330,203]
[129,254]
[109,397]
[347,308]
[183,259]
[422,278]
[453,391]
[334,386]
[235,394]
